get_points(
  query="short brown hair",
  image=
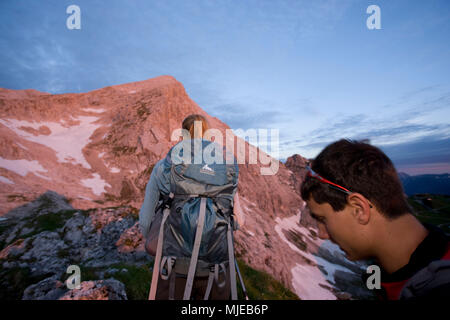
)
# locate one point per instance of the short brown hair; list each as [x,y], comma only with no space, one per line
[359,167]
[189,121]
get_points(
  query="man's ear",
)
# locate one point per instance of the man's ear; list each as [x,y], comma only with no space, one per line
[360,207]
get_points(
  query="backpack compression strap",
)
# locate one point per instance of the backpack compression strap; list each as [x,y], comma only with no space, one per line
[156,264]
[195,250]
[214,277]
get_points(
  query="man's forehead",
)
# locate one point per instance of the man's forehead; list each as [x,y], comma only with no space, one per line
[313,214]
[311,203]
[316,208]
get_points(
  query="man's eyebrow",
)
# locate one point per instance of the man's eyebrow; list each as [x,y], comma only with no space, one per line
[315,216]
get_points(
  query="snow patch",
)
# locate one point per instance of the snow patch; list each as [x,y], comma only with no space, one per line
[96,184]
[5,180]
[111,169]
[333,248]
[247,205]
[94,110]
[331,268]
[41,176]
[22,146]
[291,224]
[306,280]
[67,142]
[250,203]
[22,167]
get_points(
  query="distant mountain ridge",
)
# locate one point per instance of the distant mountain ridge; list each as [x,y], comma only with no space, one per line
[426,183]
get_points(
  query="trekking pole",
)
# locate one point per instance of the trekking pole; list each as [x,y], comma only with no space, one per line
[241,280]
[237,267]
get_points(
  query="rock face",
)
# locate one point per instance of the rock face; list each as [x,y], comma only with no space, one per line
[52,289]
[297,164]
[109,289]
[57,236]
[47,289]
[97,149]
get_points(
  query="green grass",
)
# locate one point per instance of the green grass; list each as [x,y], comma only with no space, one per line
[438,214]
[262,286]
[14,281]
[48,222]
[259,285]
[136,280]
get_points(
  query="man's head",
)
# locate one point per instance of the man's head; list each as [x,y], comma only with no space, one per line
[353,219]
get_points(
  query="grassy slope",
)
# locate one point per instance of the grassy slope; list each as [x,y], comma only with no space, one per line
[259,285]
[436,213]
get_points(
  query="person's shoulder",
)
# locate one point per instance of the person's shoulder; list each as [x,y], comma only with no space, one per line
[158,164]
[431,281]
[160,167]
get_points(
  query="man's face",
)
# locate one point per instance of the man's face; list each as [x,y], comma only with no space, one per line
[341,228]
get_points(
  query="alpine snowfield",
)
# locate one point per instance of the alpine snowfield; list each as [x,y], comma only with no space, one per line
[309,281]
[67,141]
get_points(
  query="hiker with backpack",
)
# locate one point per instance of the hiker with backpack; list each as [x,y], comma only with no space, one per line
[354,193]
[187,218]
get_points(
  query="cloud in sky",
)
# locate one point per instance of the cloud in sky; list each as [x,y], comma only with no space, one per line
[128,41]
[430,154]
[415,143]
[309,68]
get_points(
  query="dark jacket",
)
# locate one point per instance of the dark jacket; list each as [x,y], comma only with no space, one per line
[427,275]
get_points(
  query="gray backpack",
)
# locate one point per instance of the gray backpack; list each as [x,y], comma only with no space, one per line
[191,234]
[430,282]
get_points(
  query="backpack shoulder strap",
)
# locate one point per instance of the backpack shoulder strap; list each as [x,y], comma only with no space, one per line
[156,264]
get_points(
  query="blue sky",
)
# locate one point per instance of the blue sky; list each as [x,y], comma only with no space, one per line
[311,69]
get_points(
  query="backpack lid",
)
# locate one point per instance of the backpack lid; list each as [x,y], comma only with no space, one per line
[202,167]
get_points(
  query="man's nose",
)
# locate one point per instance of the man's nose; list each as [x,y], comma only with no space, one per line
[323,234]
